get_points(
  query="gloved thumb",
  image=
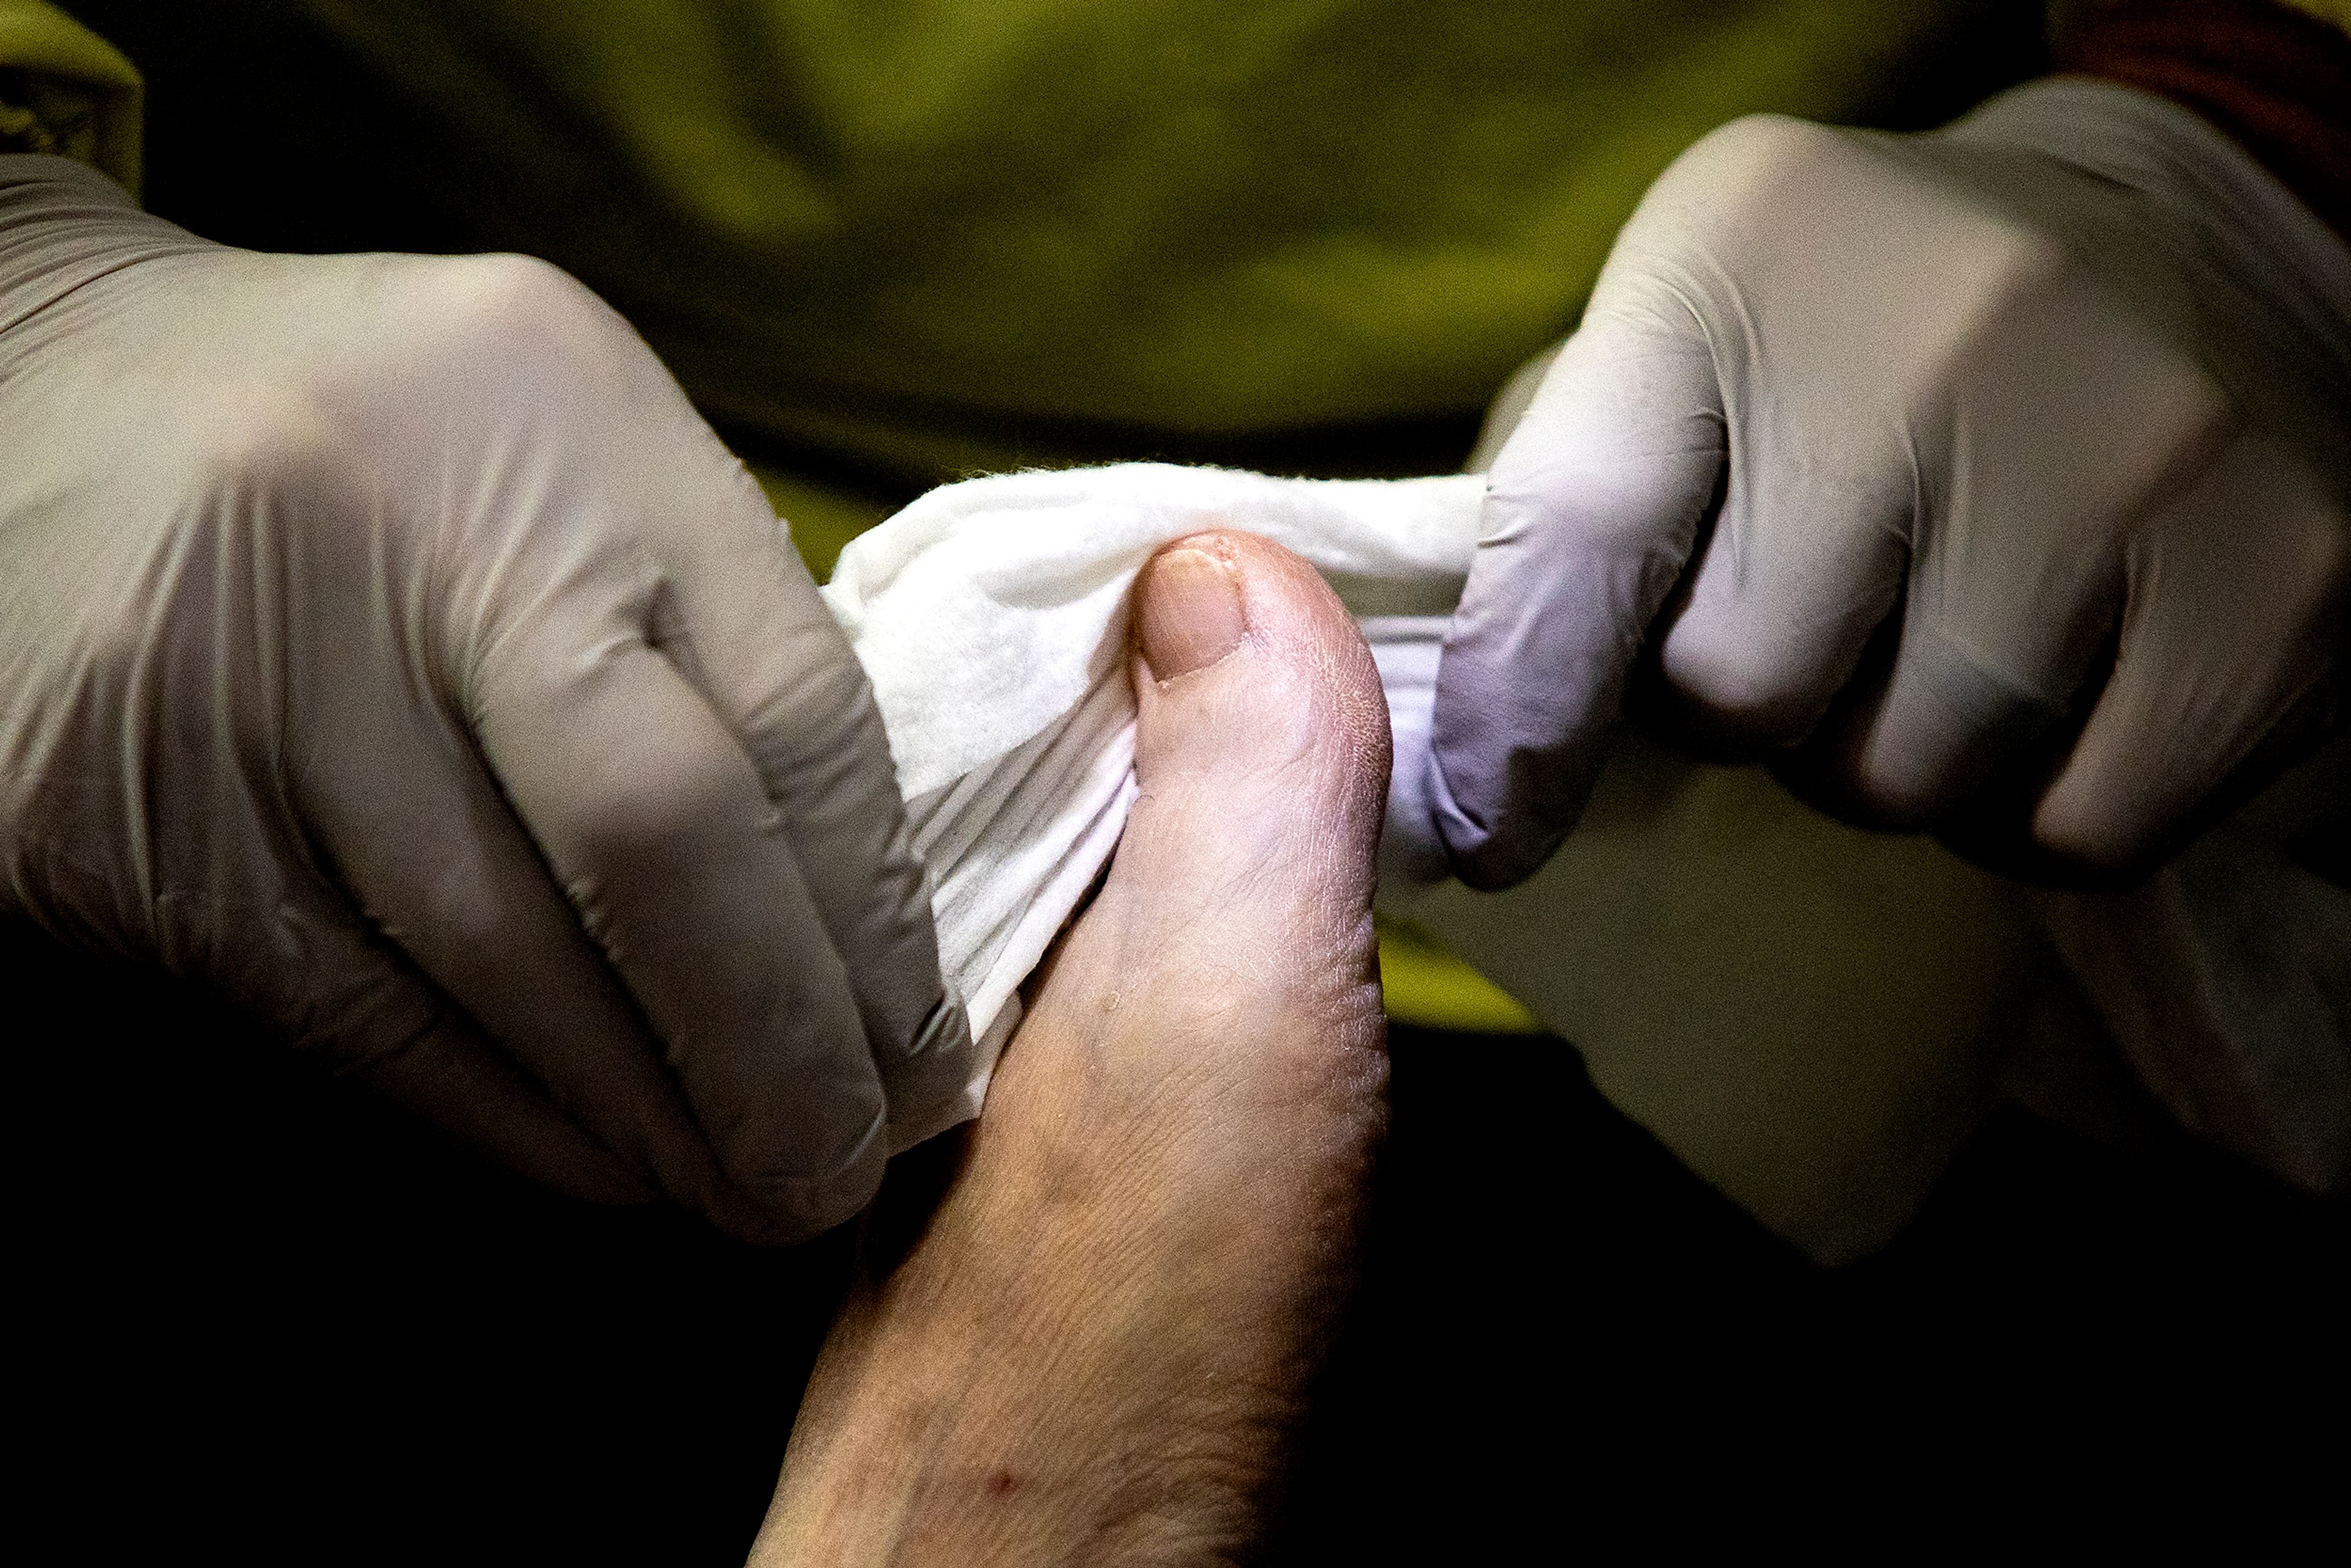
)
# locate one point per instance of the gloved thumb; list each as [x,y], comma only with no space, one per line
[1590,514]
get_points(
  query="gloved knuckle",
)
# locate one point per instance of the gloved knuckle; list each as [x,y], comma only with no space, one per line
[503,292]
[1780,138]
[1758,152]
[481,312]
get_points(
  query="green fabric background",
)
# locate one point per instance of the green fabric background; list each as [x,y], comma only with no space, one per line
[920,238]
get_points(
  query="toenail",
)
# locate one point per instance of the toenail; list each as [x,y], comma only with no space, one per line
[1188,612]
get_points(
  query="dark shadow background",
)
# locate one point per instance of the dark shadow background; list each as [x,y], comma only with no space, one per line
[260,1318]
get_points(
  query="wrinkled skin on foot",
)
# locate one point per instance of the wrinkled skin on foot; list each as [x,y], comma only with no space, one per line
[1095,1349]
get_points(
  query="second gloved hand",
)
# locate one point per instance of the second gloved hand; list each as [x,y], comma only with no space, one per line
[385,643]
[1997,479]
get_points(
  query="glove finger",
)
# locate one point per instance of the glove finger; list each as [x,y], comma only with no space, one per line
[1803,563]
[1590,513]
[580,467]
[1925,728]
[2229,660]
[420,839]
[660,830]
[2017,579]
[744,623]
[335,990]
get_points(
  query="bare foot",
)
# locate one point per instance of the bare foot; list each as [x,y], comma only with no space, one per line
[1095,1350]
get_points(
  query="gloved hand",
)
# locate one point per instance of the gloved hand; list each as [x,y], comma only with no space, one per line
[1997,478]
[385,642]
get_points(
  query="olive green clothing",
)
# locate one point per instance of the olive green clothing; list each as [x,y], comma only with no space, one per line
[928,239]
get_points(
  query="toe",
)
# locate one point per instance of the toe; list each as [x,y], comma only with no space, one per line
[1188,610]
[1254,686]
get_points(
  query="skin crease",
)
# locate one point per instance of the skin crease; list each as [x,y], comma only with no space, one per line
[1093,1348]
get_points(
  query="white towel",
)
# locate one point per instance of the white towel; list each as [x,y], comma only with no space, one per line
[992,618]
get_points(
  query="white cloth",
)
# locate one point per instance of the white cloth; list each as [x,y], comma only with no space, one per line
[992,618]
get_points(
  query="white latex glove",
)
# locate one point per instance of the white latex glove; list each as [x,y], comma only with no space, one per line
[2004,471]
[385,643]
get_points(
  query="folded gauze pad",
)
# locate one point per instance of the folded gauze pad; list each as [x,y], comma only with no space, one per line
[992,618]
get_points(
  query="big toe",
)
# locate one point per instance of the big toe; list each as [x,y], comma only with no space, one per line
[1262,736]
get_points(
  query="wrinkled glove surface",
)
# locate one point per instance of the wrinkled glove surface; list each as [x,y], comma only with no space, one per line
[385,643]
